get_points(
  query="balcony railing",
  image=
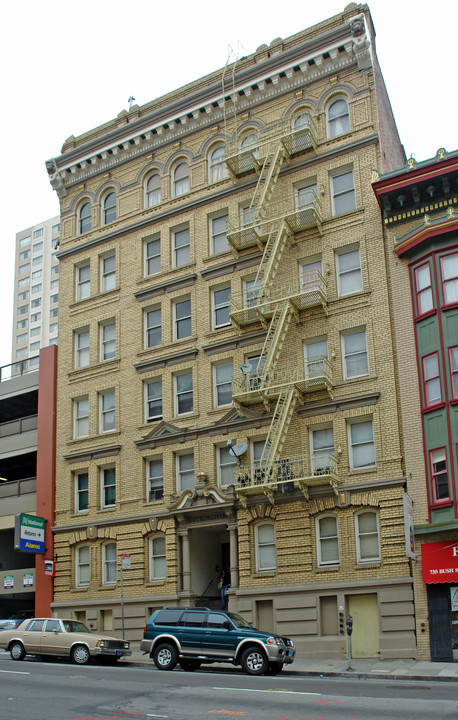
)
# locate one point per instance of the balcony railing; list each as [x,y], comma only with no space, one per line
[16,488]
[21,367]
[18,426]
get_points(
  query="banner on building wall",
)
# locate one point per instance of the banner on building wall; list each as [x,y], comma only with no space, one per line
[440,562]
[408,527]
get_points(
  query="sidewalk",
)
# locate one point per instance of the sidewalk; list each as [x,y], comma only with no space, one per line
[361,668]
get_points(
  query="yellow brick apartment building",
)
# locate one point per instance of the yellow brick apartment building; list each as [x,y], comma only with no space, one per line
[226,395]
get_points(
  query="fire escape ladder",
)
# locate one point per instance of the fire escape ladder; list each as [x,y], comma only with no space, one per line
[278,430]
[267,180]
[272,256]
[275,337]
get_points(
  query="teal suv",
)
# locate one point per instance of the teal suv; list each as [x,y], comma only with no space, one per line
[192,636]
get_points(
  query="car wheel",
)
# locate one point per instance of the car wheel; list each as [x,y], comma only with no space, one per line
[274,668]
[17,651]
[254,661]
[80,655]
[165,656]
[189,664]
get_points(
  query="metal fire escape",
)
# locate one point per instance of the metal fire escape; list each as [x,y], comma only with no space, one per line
[275,304]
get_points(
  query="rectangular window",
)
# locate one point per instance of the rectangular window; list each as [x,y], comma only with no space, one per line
[81,348]
[35,317]
[305,196]
[361,442]
[218,235]
[183,393]
[367,537]
[222,385]
[439,476]
[81,492]
[343,192]
[23,337]
[25,241]
[182,319]
[107,411]
[153,330]
[37,247]
[35,331]
[23,309]
[82,566]
[349,278]
[108,487]
[154,480]
[55,229]
[22,352]
[327,540]
[315,354]
[107,341]
[23,282]
[181,244]
[158,566]
[23,296]
[220,303]
[310,275]
[449,270]
[37,274]
[24,255]
[153,391]
[53,313]
[107,273]
[35,303]
[24,268]
[38,233]
[423,290]
[52,328]
[431,378]
[265,547]
[37,260]
[81,417]
[322,448]
[354,352]
[453,355]
[185,472]
[34,347]
[226,465]
[152,256]
[54,284]
[21,324]
[109,563]
[55,270]
[83,282]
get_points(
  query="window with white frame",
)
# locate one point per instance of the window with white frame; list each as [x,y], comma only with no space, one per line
[367,536]
[153,190]
[35,317]
[107,411]
[108,487]
[327,540]
[431,380]
[22,352]
[254,377]
[218,235]
[37,261]
[226,466]
[23,337]
[109,207]
[183,393]
[306,195]
[22,310]
[349,277]
[24,268]
[22,324]
[256,450]
[84,218]
[35,303]
[361,444]
[182,321]
[37,274]
[315,353]
[423,290]
[449,271]
[354,353]
[453,357]
[37,247]
[181,245]
[185,472]
[220,306]
[81,491]
[154,480]
[338,118]
[153,327]
[23,242]
[109,563]
[158,566]
[82,281]
[34,348]
[24,282]
[343,192]
[153,400]
[439,476]
[222,383]
[321,450]
[82,348]
[38,233]
[23,296]
[81,417]
[82,566]
[180,176]
[152,249]
[107,273]
[265,547]
[217,169]
[23,256]
[107,340]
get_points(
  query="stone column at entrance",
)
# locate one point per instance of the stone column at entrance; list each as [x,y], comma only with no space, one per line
[186,560]
[234,560]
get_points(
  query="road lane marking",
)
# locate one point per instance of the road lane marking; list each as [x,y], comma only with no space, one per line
[15,672]
[285,692]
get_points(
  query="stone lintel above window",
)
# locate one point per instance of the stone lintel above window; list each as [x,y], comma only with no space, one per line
[166,361]
[323,408]
[234,343]
[166,287]
[230,266]
[88,455]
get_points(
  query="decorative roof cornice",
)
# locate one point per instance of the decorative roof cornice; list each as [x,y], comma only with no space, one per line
[428,230]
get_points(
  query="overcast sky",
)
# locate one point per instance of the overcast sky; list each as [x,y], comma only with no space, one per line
[68,67]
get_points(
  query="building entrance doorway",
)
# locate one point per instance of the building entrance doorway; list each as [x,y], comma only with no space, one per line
[209,554]
[365,640]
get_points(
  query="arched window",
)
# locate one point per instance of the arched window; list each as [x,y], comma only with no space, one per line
[82,566]
[249,142]
[181,179]
[109,208]
[301,121]
[158,566]
[153,190]
[217,164]
[84,218]
[338,118]
[265,547]
[327,540]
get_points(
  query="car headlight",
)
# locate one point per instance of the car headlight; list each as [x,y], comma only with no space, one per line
[126,645]
[102,643]
[274,641]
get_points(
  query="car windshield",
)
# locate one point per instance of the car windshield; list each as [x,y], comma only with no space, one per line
[239,621]
[75,626]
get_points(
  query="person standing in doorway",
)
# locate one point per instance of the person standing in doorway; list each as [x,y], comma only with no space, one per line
[224,584]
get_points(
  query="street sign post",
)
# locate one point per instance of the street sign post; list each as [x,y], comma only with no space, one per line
[125,565]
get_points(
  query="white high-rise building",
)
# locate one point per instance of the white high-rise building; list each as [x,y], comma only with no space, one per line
[36,290]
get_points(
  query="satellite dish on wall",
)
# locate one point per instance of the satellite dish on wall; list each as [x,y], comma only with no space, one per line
[245,368]
[238,450]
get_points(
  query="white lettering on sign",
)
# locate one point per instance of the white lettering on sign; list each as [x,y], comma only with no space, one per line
[455,550]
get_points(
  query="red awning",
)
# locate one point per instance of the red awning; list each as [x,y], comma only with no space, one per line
[440,562]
